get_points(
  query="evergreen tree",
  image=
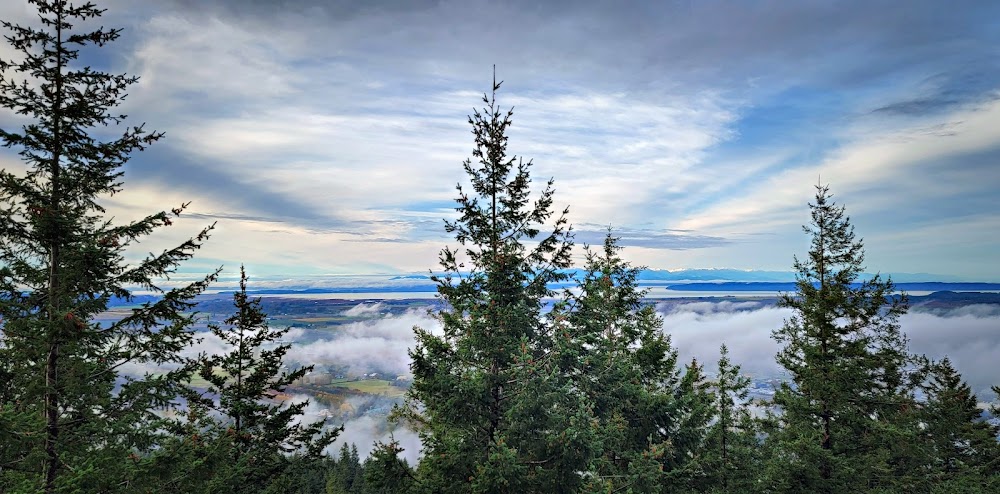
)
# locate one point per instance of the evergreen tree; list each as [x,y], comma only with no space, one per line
[684,473]
[963,447]
[491,415]
[842,421]
[385,472]
[612,347]
[995,407]
[346,477]
[731,457]
[70,418]
[234,437]
[302,475]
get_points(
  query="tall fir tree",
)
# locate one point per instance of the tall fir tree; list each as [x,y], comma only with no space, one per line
[843,418]
[611,345]
[488,411]
[246,442]
[71,418]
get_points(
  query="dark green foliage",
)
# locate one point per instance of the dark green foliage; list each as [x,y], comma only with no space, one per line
[303,475]
[346,476]
[385,472]
[610,344]
[962,447]
[70,419]
[237,430]
[845,420]
[251,373]
[731,458]
[477,385]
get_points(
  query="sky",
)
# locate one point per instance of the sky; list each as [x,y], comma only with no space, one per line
[327,137]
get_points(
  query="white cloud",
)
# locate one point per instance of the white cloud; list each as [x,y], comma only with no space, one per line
[969,336]
[329,148]
[374,344]
[365,310]
[876,156]
[364,431]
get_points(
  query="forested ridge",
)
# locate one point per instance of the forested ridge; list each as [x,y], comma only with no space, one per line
[588,395]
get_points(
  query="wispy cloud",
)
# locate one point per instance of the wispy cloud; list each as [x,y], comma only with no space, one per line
[324,134]
[666,239]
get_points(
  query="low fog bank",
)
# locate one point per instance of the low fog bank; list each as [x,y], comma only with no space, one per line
[364,431]
[363,426]
[377,344]
[697,330]
[968,335]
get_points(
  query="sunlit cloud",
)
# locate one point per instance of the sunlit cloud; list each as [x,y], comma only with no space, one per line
[328,136]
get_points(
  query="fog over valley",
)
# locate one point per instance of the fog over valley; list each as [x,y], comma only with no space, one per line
[368,342]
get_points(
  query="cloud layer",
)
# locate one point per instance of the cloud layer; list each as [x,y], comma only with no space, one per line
[378,344]
[969,336]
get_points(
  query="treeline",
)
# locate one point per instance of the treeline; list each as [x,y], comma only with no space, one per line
[589,396]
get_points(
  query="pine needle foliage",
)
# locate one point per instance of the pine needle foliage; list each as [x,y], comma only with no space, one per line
[259,431]
[849,394]
[474,383]
[71,417]
[612,347]
[963,451]
[730,461]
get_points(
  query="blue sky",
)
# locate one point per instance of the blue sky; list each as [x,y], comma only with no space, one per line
[326,137]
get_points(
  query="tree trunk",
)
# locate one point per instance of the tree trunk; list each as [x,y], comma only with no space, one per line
[52,384]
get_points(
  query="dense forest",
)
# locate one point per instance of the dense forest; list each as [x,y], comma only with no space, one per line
[513,396]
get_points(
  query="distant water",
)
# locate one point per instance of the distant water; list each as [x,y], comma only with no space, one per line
[652,293]
[661,293]
[922,293]
[353,296]
[654,290]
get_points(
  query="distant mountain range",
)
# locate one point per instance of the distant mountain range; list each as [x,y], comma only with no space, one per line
[725,274]
[709,280]
[715,286]
[741,286]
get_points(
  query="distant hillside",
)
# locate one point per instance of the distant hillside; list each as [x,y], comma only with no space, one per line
[738,286]
[951,300]
[688,280]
